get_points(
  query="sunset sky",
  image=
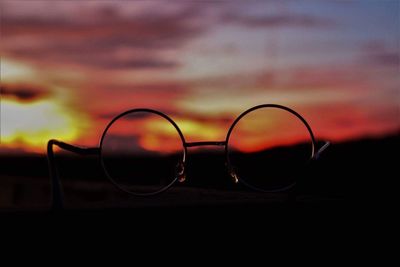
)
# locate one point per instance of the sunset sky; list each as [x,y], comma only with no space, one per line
[68,67]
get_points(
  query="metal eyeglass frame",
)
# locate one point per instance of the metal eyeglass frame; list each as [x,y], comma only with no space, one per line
[57,195]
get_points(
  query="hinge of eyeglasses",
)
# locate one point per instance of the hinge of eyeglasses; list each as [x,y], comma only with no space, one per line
[180,172]
[233,174]
[322,149]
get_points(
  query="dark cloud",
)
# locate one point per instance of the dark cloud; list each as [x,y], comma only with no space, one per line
[24,93]
[138,64]
[95,58]
[172,87]
[120,145]
[377,52]
[96,40]
[292,20]
[385,58]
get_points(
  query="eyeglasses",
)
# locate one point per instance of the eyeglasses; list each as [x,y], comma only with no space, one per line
[143,152]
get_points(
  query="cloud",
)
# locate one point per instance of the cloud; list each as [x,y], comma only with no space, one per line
[172,87]
[104,37]
[279,20]
[377,52]
[22,92]
[112,100]
[139,64]
[121,145]
[384,58]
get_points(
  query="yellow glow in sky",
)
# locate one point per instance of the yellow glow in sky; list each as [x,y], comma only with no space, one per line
[33,124]
[190,129]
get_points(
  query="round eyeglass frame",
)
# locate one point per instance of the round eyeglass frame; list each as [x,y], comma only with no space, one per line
[131,111]
[185,145]
[243,114]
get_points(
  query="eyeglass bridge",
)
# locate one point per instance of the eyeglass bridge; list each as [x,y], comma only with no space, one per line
[205,143]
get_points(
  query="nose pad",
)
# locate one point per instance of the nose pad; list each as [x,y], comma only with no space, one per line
[180,172]
[233,174]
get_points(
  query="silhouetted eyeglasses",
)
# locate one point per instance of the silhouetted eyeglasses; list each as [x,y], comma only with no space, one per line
[143,151]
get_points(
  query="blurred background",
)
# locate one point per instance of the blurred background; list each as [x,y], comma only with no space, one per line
[69,67]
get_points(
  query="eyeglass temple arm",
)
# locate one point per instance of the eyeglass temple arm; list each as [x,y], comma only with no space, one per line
[57,195]
[322,149]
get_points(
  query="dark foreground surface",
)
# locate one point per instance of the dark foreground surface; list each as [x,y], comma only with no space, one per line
[350,176]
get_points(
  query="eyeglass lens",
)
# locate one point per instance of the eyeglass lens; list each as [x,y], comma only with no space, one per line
[140,152]
[268,147]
